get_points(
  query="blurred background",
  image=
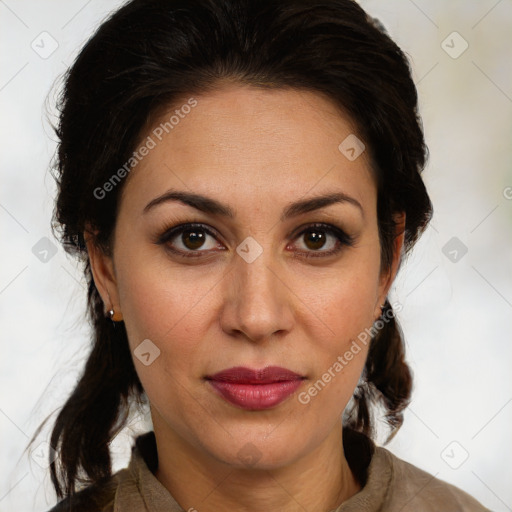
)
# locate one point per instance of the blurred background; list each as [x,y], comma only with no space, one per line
[456,287]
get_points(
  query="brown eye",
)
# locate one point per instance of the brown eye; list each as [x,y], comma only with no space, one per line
[320,240]
[315,240]
[189,240]
[193,239]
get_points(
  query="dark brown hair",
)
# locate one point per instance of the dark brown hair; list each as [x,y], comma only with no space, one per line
[145,56]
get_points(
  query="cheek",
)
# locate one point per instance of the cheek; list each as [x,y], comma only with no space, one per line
[170,305]
[346,298]
[165,311]
[340,348]
[158,307]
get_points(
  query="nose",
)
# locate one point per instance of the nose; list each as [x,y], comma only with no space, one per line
[258,303]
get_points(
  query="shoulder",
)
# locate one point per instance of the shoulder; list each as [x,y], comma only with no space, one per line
[415,489]
[103,495]
[97,497]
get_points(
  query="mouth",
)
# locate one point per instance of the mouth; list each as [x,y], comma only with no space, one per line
[255,389]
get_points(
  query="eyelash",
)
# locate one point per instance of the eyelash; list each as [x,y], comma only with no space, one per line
[170,233]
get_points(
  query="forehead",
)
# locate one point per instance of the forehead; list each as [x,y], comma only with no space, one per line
[272,144]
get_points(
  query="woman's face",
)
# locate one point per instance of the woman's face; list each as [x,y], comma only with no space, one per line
[257,288]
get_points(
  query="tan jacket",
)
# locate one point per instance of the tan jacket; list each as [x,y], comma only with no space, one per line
[389,485]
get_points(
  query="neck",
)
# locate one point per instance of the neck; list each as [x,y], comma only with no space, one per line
[320,481]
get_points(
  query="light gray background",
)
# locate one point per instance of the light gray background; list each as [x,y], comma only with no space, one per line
[457,316]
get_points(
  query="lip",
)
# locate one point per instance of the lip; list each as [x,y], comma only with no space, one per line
[255,389]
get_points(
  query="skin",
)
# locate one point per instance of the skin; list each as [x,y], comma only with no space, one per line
[256,151]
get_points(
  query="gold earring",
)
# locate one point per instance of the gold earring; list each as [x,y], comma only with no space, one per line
[115,316]
[382,308]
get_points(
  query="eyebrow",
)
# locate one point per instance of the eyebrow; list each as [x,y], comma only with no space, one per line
[213,207]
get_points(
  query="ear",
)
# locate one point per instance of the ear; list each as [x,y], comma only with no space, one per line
[388,275]
[103,271]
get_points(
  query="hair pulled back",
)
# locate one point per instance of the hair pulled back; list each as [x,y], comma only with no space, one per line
[149,54]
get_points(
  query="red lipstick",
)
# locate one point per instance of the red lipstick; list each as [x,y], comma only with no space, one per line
[255,389]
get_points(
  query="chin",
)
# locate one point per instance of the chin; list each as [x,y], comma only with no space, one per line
[256,452]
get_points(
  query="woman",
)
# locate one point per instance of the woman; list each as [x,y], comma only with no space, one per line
[241,179]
